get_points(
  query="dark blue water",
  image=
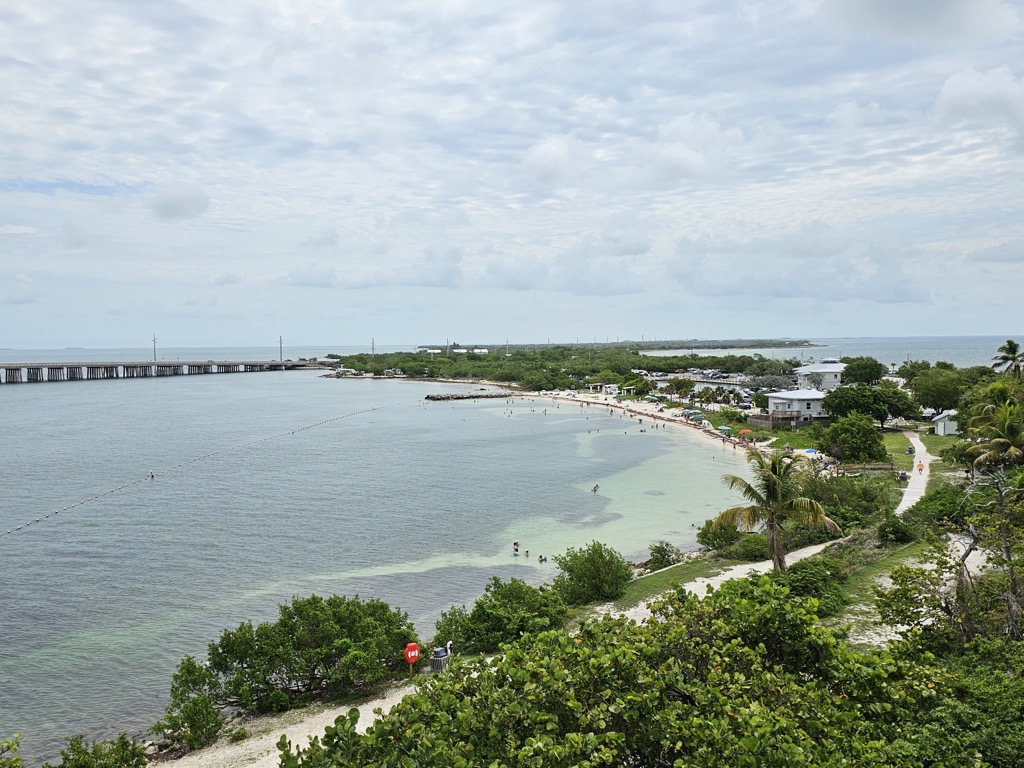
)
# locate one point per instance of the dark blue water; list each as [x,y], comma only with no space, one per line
[277,484]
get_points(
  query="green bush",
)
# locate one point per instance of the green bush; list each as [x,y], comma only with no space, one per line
[317,649]
[986,701]
[122,752]
[594,573]
[663,554]
[749,547]
[744,676]
[507,610]
[239,734]
[453,627]
[796,536]
[853,502]
[715,537]
[193,715]
[892,530]
[939,507]
[10,756]
[818,577]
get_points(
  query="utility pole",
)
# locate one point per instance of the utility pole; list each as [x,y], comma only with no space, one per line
[154,347]
[280,348]
[373,347]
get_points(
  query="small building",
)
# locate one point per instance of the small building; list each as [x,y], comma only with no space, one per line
[480,351]
[796,404]
[945,423]
[830,370]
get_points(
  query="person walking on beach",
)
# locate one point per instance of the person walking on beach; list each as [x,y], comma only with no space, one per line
[920,467]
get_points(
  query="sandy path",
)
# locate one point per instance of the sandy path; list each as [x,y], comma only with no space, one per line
[260,751]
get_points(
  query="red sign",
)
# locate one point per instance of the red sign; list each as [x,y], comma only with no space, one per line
[412,653]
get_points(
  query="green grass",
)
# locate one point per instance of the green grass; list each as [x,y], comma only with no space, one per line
[859,588]
[896,444]
[941,471]
[936,444]
[643,589]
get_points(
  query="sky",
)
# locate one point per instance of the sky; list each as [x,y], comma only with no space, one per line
[334,171]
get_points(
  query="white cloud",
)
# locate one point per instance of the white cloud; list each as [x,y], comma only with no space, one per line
[983,20]
[21,290]
[179,202]
[556,160]
[644,161]
[325,237]
[850,115]
[986,97]
[313,276]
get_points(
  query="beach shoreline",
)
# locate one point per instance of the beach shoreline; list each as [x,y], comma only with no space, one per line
[298,726]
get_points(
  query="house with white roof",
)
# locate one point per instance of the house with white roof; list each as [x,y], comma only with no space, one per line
[830,370]
[945,423]
[798,404]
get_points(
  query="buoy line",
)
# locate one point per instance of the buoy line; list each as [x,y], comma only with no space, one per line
[196,459]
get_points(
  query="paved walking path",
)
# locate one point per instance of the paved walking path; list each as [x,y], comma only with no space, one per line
[917,482]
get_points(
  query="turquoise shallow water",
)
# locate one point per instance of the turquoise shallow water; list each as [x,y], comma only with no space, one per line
[272,485]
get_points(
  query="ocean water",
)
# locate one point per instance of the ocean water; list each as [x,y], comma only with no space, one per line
[280,484]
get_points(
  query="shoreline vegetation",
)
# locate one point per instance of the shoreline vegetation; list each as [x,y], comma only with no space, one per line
[953,649]
[657,344]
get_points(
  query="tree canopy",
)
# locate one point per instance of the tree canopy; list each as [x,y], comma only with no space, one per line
[881,403]
[863,370]
[743,677]
[1009,358]
[939,388]
[853,438]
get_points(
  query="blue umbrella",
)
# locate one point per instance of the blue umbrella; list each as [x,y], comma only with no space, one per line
[724,428]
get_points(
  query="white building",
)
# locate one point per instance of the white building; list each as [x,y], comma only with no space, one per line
[802,404]
[944,423]
[830,370]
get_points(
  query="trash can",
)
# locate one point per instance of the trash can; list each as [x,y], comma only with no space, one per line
[438,660]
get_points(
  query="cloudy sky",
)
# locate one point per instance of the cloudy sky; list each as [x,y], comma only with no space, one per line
[222,173]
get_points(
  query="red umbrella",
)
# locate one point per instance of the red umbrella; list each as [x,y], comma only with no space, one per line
[744,432]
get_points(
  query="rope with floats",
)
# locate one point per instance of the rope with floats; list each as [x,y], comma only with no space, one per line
[196,459]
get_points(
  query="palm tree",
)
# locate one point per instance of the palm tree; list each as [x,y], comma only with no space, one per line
[1010,358]
[775,497]
[998,430]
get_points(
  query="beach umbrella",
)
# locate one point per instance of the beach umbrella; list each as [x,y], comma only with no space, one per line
[744,431]
[725,428]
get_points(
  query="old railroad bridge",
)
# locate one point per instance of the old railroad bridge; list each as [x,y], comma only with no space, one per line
[14,373]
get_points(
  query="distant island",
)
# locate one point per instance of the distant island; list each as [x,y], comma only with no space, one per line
[648,344]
